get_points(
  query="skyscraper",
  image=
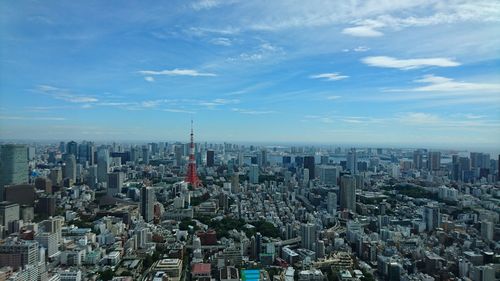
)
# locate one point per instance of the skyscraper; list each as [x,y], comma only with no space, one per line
[72,148]
[102,164]
[332,203]
[13,165]
[147,203]
[254,173]
[309,164]
[352,161]
[417,159]
[328,175]
[115,183]
[308,236]
[348,193]
[432,217]
[434,160]
[210,158]
[69,167]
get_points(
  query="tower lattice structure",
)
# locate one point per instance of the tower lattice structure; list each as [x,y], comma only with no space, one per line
[192,176]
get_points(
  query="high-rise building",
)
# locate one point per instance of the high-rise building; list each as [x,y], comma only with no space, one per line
[487,228]
[432,217]
[13,165]
[262,158]
[86,153]
[348,193]
[254,174]
[145,154]
[49,241]
[210,158]
[434,160]
[417,160]
[327,174]
[69,167]
[309,164]
[147,203]
[102,164]
[19,253]
[72,148]
[9,212]
[308,236]
[352,161]
[115,183]
[331,203]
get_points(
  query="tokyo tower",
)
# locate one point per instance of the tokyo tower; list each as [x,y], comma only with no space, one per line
[192,176]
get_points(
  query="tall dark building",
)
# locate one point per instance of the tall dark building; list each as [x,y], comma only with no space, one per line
[299,161]
[309,164]
[210,158]
[72,148]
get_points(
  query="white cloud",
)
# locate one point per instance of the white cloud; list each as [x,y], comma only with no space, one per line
[443,84]
[36,118]
[173,110]
[263,51]
[64,94]
[253,112]
[361,49]
[362,31]
[329,76]
[149,79]
[221,41]
[405,64]
[209,4]
[177,72]
[333,97]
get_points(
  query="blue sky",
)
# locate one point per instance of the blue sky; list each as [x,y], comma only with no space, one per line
[406,72]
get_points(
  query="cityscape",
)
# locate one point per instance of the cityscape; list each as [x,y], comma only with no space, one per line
[237,140]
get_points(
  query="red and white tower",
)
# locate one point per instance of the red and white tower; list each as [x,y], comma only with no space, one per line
[192,176]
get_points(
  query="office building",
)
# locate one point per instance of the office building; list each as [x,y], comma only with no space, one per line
[254,174]
[432,217]
[434,160]
[210,158]
[102,165]
[308,236]
[69,171]
[348,193]
[13,165]
[332,203]
[147,203]
[9,213]
[352,161]
[19,253]
[115,183]
[309,164]
[327,175]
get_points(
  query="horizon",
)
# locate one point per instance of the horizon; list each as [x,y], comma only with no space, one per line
[417,74]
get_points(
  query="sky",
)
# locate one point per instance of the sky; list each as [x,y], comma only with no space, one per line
[404,73]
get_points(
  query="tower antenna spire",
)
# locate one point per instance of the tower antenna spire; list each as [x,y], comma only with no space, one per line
[192,176]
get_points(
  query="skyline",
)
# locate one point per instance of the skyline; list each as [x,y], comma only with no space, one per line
[411,73]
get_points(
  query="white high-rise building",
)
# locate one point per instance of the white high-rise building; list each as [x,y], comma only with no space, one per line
[352,161]
[147,203]
[332,203]
[254,173]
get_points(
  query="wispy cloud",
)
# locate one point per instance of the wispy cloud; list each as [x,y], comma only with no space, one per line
[443,84]
[221,41]
[173,110]
[253,112]
[361,49]
[405,64]
[263,51]
[362,31]
[333,97]
[149,79]
[329,76]
[64,94]
[177,72]
[34,118]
